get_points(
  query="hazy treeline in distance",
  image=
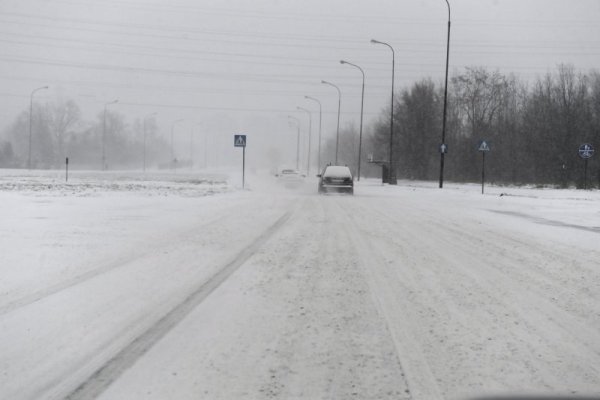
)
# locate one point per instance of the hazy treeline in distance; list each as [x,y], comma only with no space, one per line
[534,130]
[58,131]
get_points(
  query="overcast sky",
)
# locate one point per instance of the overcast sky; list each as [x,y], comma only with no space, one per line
[244,66]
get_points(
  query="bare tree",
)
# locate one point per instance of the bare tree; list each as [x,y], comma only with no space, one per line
[61,119]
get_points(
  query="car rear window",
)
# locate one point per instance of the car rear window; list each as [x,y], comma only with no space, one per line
[337,171]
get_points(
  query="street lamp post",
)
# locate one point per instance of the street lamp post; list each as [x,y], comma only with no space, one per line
[30,120]
[297,142]
[319,145]
[337,135]
[172,135]
[392,171]
[309,135]
[205,149]
[362,102]
[192,145]
[104,133]
[145,118]
[443,146]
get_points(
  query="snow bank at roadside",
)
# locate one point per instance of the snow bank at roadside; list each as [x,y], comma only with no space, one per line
[549,206]
[94,183]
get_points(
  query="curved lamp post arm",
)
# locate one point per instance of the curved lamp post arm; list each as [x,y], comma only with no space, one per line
[337,135]
[297,141]
[362,102]
[320,120]
[443,145]
[172,137]
[145,119]
[392,170]
[309,136]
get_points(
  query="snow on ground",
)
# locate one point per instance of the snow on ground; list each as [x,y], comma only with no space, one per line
[183,286]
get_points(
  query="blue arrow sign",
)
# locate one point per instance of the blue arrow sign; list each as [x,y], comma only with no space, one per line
[483,146]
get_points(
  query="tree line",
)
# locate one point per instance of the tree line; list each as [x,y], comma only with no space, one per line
[58,131]
[534,131]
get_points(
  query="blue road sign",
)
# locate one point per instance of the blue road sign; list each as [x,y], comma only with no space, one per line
[484,146]
[586,150]
[239,140]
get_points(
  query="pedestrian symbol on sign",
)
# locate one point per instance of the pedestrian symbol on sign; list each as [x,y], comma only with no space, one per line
[239,140]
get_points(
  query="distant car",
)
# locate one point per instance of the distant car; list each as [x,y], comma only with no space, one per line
[290,178]
[337,179]
[287,173]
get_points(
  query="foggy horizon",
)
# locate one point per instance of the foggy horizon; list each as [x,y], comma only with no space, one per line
[243,68]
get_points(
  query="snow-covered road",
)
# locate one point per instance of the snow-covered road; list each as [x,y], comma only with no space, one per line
[402,292]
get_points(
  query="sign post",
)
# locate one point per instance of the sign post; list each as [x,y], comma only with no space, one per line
[586,151]
[67,170]
[483,148]
[240,141]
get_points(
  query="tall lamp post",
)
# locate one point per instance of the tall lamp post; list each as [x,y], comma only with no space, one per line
[145,118]
[309,135]
[172,135]
[30,120]
[104,133]
[362,102]
[297,141]
[443,147]
[192,145]
[337,135]
[319,145]
[392,171]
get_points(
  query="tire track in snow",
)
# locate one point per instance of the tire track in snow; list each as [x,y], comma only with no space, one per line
[417,375]
[544,221]
[461,251]
[103,269]
[103,377]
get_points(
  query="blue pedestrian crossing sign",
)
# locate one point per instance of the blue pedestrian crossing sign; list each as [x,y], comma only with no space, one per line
[239,140]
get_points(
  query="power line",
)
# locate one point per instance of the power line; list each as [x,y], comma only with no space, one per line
[339,16]
[228,75]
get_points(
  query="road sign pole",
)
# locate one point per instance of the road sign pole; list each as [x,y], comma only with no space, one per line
[585,174]
[483,148]
[240,141]
[586,151]
[482,171]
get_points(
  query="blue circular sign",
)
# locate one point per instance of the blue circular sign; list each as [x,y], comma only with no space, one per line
[586,150]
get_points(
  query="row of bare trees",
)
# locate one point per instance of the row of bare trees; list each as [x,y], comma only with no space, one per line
[534,130]
[58,131]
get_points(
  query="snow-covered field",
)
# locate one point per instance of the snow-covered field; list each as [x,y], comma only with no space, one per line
[183,286]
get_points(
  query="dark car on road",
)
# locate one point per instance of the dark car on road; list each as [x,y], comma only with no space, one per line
[336,179]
